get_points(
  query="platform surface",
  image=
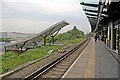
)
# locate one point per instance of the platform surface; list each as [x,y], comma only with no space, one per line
[106,65]
[94,62]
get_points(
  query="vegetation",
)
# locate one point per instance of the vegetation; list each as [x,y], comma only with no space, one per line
[90,34]
[70,37]
[4,40]
[11,59]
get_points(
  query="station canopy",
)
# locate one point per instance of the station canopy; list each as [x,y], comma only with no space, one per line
[100,12]
[39,37]
[90,8]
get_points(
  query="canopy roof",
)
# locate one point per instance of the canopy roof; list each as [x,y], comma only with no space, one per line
[91,10]
[38,37]
[104,12]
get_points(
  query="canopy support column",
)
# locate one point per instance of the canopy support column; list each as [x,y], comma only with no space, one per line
[111,35]
[5,49]
[44,40]
[53,36]
[21,48]
[53,41]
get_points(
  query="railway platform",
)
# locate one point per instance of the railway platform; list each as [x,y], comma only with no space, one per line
[96,61]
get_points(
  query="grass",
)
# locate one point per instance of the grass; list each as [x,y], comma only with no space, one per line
[0,64]
[73,41]
[11,59]
[4,40]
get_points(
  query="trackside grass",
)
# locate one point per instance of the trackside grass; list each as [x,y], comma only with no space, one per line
[73,41]
[11,59]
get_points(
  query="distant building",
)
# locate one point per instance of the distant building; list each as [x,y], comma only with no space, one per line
[15,36]
[3,35]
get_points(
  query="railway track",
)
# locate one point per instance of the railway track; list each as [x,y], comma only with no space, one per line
[59,66]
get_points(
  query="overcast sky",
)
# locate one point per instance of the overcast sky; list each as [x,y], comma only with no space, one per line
[33,16]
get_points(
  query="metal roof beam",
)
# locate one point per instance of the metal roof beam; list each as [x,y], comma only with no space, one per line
[88,4]
[91,14]
[95,11]
[92,17]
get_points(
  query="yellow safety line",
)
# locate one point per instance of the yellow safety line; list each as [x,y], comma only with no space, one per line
[90,70]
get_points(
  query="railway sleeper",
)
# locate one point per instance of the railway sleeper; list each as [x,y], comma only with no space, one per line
[64,63]
[62,67]
[52,75]
[60,70]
